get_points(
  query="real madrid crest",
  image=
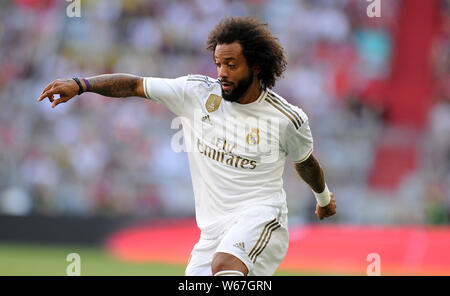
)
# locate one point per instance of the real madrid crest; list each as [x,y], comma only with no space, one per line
[213,102]
[253,137]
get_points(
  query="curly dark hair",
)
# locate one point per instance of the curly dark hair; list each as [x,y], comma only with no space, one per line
[259,47]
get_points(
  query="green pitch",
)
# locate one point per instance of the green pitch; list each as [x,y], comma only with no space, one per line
[32,260]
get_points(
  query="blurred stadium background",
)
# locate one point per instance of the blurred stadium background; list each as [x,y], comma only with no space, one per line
[98,176]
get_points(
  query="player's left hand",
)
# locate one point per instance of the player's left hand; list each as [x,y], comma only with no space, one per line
[328,210]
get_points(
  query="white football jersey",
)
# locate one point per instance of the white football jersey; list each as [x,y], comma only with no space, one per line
[236,152]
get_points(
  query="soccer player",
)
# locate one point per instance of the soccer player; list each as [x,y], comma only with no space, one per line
[238,133]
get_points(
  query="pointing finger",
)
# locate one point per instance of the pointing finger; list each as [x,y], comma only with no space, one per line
[49,93]
[45,95]
[49,86]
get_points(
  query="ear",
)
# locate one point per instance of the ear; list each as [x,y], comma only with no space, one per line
[256,70]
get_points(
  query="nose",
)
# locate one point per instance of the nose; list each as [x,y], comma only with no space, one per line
[222,72]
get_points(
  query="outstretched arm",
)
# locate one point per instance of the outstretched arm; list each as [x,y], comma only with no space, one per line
[110,85]
[311,172]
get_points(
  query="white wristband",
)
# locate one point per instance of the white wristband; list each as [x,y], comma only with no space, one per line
[323,198]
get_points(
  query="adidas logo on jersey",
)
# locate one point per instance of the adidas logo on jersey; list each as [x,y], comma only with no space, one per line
[240,245]
[206,119]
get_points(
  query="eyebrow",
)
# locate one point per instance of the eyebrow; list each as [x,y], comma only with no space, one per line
[226,59]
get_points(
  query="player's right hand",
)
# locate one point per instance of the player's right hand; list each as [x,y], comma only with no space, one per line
[66,88]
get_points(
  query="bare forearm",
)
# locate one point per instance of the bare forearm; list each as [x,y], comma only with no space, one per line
[311,172]
[116,85]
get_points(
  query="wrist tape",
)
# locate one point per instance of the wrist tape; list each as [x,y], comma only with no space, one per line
[323,198]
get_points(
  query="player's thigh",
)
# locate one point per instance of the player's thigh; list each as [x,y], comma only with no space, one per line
[201,258]
[259,239]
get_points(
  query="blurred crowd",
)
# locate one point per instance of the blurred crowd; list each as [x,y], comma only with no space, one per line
[97,156]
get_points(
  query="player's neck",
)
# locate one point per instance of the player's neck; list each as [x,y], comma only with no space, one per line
[252,94]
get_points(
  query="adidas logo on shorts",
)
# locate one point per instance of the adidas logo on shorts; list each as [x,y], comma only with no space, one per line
[240,245]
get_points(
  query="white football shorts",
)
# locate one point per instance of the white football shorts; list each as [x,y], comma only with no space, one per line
[259,237]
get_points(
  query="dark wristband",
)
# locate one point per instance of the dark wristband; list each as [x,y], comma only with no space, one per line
[80,88]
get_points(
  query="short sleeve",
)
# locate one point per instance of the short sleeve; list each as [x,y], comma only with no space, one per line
[167,92]
[299,141]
